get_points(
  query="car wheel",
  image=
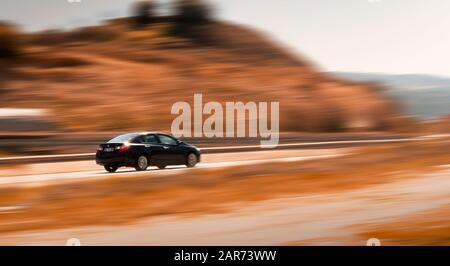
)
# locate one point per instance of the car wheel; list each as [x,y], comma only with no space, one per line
[141,163]
[111,169]
[191,160]
[161,166]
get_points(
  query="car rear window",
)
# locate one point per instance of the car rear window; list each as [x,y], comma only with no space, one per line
[124,138]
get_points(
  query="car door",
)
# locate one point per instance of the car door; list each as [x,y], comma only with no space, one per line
[173,153]
[153,148]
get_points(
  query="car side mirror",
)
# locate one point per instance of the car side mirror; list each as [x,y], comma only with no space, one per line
[179,142]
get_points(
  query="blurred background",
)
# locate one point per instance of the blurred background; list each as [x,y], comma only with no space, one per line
[75,74]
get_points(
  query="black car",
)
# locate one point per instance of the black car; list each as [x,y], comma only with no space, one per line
[141,150]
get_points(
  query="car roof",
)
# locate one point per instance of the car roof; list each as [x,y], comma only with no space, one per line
[153,132]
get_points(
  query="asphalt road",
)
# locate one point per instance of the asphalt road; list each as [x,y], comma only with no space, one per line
[237,156]
[43,174]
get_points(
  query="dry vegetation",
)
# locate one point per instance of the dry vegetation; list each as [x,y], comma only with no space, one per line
[88,76]
[10,42]
[126,199]
[431,228]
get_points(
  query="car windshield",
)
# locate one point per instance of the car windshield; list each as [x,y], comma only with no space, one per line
[124,138]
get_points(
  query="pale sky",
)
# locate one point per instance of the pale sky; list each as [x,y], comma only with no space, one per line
[388,36]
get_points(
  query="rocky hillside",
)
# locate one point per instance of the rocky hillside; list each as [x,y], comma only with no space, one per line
[118,77]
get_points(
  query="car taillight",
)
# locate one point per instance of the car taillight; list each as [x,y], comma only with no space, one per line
[124,147]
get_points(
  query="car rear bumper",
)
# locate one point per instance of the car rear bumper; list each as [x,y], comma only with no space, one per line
[118,160]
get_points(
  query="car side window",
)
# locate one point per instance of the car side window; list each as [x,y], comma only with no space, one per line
[167,140]
[139,139]
[150,139]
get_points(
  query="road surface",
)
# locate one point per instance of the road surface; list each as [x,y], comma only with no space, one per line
[53,172]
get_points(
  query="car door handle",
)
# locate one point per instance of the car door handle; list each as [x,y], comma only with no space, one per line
[165,147]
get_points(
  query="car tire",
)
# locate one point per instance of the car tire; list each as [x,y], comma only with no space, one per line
[141,163]
[191,160]
[111,169]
